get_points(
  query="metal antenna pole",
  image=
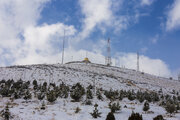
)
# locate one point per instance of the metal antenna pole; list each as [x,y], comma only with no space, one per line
[137,61]
[108,57]
[63,48]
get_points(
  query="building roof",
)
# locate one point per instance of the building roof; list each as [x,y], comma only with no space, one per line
[86,60]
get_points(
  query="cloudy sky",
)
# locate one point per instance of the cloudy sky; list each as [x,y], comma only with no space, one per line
[31,32]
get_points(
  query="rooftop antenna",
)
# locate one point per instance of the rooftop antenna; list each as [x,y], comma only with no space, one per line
[108,57]
[137,61]
[63,47]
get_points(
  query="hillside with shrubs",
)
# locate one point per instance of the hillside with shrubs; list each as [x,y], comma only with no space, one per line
[77,91]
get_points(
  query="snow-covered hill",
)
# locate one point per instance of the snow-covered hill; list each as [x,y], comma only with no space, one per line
[104,76]
[100,75]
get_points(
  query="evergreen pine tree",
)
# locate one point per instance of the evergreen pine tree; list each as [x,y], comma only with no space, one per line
[41,96]
[146,106]
[178,98]
[135,116]
[114,107]
[96,113]
[89,94]
[43,107]
[177,107]
[160,91]
[98,94]
[131,95]
[77,92]
[159,117]
[170,108]
[27,95]
[51,96]
[147,96]
[88,102]
[77,110]
[16,95]
[110,116]
[89,87]
[6,113]
[110,94]
[45,84]
[120,97]
[155,97]
[63,91]
[35,82]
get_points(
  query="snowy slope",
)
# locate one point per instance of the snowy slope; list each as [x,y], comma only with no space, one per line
[71,73]
[105,77]
[64,110]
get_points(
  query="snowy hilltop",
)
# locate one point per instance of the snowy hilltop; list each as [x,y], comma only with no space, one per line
[106,77]
[71,91]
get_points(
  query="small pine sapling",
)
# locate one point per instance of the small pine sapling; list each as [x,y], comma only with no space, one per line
[98,94]
[27,95]
[77,110]
[96,113]
[16,95]
[41,96]
[177,107]
[114,107]
[89,94]
[43,106]
[146,106]
[35,85]
[88,102]
[6,113]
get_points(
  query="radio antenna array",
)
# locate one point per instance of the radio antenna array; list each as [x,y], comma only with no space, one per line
[108,57]
[63,47]
[137,61]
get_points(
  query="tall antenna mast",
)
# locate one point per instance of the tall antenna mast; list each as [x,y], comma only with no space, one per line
[108,57]
[63,48]
[137,61]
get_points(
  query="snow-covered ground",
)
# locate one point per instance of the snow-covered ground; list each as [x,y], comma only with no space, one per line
[63,109]
[105,77]
[71,73]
